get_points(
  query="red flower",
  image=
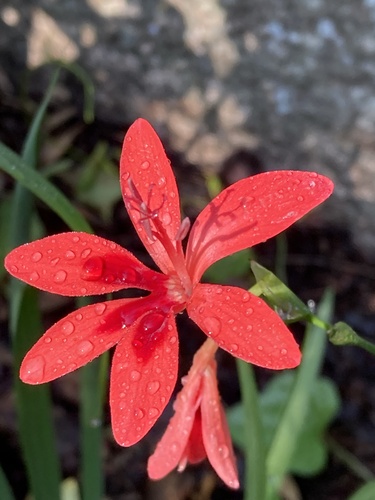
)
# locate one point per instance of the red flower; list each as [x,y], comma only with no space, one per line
[144,368]
[198,427]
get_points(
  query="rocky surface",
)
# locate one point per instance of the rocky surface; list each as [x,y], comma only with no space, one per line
[290,83]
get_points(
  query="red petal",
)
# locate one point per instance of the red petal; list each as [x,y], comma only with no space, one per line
[144,162]
[171,448]
[195,450]
[74,341]
[76,264]
[141,385]
[243,325]
[251,211]
[215,431]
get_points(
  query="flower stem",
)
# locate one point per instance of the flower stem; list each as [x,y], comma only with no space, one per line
[255,472]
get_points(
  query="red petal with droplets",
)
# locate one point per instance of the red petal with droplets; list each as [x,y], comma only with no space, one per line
[171,449]
[143,376]
[145,165]
[77,264]
[244,325]
[251,211]
[74,341]
[215,431]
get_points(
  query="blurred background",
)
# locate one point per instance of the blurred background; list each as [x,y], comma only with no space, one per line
[233,87]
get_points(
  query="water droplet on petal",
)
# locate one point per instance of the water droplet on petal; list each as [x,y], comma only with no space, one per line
[135,375]
[224,451]
[145,165]
[283,352]
[34,276]
[213,326]
[79,317]
[300,198]
[60,276]
[75,239]
[249,311]
[152,322]
[153,387]
[167,219]
[260,348]
[55,261]
[100,308]
[85,347]
[13,269]
[85,253]
[125,176]
[173,340]
[153,412]
[70,255]
[47,340]
[36,257]
[139,413]
[233,347]
[161,182]
[92,269]
[245,297]
[67,327]
[35,369]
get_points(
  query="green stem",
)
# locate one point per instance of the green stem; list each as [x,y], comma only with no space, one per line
[351,461]
[255,455]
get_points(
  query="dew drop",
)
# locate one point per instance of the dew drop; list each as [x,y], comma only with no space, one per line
[13,269]
[125,176]
[75,239]
[152,322]
[173,340]
[300,198]
[175,447]
[47,340]
[122,405]
[153,412]
[100,308]
[153,387]
[36,257]
[67,327]
[135,375]
[34,369]
[213,326]
[245,297]
[145,165]
[85,253]
[260,348]
[85,347]
[167,219]
[55,261]
[249,311]
[161,182]
[233,347]
[283,352]
[60,276]
[92,269]
[79,317]
[224,451]
[70,255]
[34,276]
[139,413]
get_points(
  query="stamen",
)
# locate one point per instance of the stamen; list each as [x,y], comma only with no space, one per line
[183,229]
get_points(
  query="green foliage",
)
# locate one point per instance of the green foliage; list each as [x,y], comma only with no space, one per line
[366,492]
[231,267]
[311,451]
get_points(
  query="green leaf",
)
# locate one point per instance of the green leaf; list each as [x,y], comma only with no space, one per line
[98,185]
[311,450]
[13,165]
[229,268]
[33,405]
[5,489]
[279,296]
[366,492]
[284,442]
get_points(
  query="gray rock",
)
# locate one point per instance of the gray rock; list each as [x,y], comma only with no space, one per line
[292,81]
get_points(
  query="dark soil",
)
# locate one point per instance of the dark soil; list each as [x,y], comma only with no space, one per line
[317,257]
